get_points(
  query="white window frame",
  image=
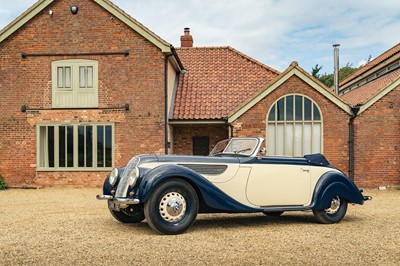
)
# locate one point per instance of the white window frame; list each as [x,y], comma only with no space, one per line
[289,128]
[42,161]
[75,96]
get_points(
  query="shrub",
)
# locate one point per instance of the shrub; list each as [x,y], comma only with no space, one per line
[3,184]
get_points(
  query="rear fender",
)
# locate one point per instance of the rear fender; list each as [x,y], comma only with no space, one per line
[333,184]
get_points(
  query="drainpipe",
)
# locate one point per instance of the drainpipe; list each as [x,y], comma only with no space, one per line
[355,111]
[166,103]
[230,130]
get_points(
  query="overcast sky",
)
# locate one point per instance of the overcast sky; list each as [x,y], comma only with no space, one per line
[274,32]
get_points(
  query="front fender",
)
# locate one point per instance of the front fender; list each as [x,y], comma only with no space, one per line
[106,186]
[332,184]
[213,197]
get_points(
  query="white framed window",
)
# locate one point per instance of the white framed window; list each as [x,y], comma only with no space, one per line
[75,83]
[294,127]
[75,146]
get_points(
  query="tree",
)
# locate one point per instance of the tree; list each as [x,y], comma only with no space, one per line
[315,70]
[327,79]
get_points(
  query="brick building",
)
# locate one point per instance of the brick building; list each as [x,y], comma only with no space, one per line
[84,89]
[358,129]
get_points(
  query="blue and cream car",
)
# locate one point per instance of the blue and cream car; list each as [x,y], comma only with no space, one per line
[168,191]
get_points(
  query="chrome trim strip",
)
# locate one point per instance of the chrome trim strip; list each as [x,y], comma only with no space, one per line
[104,197]
[127,201]
[118,201]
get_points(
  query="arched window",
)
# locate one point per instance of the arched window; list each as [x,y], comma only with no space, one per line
[294,127]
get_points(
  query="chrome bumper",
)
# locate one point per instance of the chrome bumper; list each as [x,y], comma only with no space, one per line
[118,201]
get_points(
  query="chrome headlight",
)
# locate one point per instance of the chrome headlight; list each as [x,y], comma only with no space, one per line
[113,176]
[133,176]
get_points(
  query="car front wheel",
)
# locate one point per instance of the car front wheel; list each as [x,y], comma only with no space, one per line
[334,213]
[131,214]
[172,207]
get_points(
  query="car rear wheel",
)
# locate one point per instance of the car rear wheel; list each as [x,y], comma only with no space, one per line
[334,213]
[172,207]
[131,214]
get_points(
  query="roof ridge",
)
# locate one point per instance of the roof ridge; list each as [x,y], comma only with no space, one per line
[230,48]
[107,4]
[254,60]
[21,16]
[201,47]
[382,57]
[136,21]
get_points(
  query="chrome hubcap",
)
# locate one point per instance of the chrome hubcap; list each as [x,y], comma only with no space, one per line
[335,205]
[172,207]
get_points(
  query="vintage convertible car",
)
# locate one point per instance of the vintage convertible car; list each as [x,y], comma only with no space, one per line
[169,191]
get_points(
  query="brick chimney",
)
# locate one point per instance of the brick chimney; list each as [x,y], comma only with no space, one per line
[186,39]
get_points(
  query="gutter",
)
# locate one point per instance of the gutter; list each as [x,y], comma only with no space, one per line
[177,59]
[355,111]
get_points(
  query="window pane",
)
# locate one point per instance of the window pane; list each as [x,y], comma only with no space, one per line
[281,110]
[280,139]
[100,146]
[89,146]
[289,108]
[299,108]
[307,138]
[81,146]
[108,146]
[271,116]
[60,83]
[68,77]
[50,146]
[298,139]
[271,139]
[42,147]
[70,146]
[317,115]
[89,77]
[307,109]
[289,140]
[82,77]
[316,138]
[61,148]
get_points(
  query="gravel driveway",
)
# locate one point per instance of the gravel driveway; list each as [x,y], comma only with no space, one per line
[66,226]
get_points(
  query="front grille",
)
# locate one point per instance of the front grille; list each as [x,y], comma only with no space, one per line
[123,183]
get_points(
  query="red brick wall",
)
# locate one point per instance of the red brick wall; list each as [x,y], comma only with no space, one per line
[137,80]
[377,143]
[335,120]
[183,135]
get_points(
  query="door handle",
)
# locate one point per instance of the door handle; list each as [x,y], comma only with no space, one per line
[305,170]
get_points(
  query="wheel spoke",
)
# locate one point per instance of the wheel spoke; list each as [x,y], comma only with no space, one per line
[172,207]
[335,205]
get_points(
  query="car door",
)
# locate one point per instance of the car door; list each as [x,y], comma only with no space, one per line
[272,183]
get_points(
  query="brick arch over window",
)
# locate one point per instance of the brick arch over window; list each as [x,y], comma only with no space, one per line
[294,126]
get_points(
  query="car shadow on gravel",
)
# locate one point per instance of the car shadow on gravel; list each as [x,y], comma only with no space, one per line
[206,222]
[233,220]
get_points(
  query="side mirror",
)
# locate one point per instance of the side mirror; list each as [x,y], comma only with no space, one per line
[263,151]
